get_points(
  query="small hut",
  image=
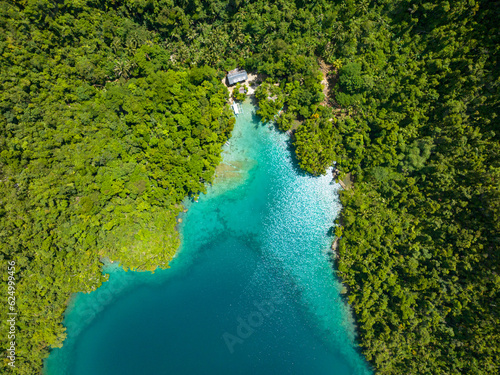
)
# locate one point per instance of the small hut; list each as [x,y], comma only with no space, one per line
[235,76]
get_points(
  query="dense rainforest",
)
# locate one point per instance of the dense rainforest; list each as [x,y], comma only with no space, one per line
[112,112]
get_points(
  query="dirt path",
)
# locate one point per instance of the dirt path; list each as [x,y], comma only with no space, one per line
[253,81]
[325,69]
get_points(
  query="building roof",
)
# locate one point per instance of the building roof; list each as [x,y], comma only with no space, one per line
[235,76]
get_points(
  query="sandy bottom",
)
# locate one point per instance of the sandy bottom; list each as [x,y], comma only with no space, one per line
[226,171]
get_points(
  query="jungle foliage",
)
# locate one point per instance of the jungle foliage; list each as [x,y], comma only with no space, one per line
[100,142]
[113,111]
[421,228]
[240,96]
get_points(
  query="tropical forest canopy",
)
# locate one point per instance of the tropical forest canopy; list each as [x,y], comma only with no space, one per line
[113,111]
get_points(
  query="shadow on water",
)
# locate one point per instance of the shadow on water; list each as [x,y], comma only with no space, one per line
[295,162]
[289,142]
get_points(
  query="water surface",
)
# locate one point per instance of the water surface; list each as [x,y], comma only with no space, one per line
[251,290]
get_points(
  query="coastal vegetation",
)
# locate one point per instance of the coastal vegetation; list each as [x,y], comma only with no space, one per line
[421,227]
[113,111]
[100,142]
[240,95]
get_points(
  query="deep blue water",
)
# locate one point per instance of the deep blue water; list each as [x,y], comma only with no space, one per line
[251,290]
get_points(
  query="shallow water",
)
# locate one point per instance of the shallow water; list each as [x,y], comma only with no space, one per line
[251,290]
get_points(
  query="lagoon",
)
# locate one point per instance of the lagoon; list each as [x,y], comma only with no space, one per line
[251,290]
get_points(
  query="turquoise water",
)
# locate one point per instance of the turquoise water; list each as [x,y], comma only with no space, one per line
[251,290]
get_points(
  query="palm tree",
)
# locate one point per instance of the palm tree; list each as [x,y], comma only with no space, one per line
[122,68]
